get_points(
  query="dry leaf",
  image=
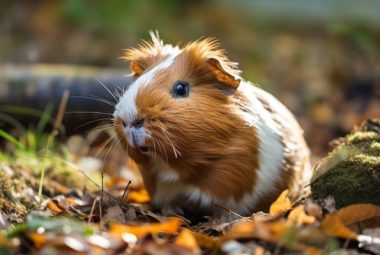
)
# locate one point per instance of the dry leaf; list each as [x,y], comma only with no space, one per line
[141,196]
[53,207]
[208,242]
[186,239]
[331,225]
[39,240]
[281,205]
[357,212]
[272,231]
[114,214]
[169,227]
[299,217]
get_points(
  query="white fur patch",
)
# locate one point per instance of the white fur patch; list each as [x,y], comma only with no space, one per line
[169,187]
[270,152]
[126,107]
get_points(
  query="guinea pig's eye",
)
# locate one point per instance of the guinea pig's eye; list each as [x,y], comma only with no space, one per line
[181,89]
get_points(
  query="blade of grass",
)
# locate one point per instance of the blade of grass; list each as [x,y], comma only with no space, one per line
[15,123]
[44,119]
[53,134]
[21,110]
[11,139]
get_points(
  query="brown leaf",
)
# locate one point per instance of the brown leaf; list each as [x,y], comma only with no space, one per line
[281,205]
[187,239]
[53,207]
[332,226]
[271,231]
[357,212]
[298,216]
[114,214]
[208,242]
[39,240]
[169,227]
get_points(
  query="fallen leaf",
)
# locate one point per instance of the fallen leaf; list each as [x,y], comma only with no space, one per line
[141,196]
[332,226]
[357,212]
[114,214]
[186,239]
[299,217]
[169,227]
[281,205]
[313,209]
[272,231]
[53,207]
[208,242]
[38,239]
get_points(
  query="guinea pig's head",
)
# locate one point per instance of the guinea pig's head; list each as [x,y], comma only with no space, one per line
[178,105]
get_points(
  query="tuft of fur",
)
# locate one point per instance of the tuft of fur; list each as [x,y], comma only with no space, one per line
[227,143]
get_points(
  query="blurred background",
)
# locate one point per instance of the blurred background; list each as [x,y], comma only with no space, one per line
[321,58]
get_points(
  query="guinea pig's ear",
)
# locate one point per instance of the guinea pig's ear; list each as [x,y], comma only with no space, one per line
[145,55]
[227,81]
[136,69]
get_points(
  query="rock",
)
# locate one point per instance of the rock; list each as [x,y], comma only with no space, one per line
[351,172]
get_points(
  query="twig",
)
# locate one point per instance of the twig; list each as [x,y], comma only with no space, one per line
[232,212]
[125,192]
[92,209]
[61,112]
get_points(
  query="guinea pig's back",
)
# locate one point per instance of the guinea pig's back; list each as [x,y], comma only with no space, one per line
[282,145]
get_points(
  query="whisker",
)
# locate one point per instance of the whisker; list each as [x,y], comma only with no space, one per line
[154,146]
[86,112]
[109,149]
[93,121]
[102,128]
[175,150]
[166,155]
[104,144]
[96,99]
[105,100]
[107,89]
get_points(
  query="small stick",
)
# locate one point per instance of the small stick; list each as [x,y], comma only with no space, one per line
[232,212]
[92,209]
[125,191]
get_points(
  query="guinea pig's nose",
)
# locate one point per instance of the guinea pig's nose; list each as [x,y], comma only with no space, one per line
[138,123]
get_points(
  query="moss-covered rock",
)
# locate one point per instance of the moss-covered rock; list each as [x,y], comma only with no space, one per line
[351,172]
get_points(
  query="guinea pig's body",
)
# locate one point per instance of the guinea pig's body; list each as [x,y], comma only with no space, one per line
[203,138]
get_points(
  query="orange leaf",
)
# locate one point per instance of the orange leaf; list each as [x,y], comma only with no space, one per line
[54,208]
[272,231]
[281,205]
[331,225]
[208,242]
[169,227]
[187,239]
[39,240]
[298,216]
[140,196]
[357,212]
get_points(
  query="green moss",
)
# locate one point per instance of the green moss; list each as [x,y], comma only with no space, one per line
[351,172]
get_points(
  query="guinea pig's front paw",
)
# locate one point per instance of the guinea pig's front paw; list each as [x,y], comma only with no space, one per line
[172,210]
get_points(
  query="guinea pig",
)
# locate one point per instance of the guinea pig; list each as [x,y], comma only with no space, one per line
[202,136]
